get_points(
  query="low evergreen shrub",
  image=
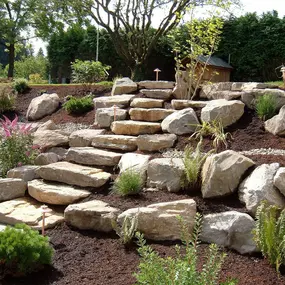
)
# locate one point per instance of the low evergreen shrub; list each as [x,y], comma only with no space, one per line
[7,99]
[78,106]
[23,250]
[20,85]
[129,182]
[266,107]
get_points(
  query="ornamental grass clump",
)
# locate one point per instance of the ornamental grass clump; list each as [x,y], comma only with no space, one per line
[129,182]
[16,145]
[266,107]
[183,268]
[23,250]
[269,233]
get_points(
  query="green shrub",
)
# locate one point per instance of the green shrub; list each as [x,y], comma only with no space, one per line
[7,99]
[78,105]
[36,78]
[129,182]
[269,233]
[23,250]
[181,269]
[16,145]
[20,85]
[266,107]
[88,71]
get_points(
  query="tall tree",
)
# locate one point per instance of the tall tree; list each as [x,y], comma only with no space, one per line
[128,23]
[18,18]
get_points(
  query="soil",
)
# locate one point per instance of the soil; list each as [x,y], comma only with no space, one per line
[91,258]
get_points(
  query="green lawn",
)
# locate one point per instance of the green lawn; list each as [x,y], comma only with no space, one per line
[278,83]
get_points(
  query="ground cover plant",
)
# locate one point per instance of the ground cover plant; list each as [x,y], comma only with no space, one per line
[23,250]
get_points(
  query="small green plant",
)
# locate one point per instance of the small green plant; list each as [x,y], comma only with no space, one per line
[23,250]
[193,161]
[16,145]
[88,71]
[127,230]
[78,105]
[266,106]
[7,99]
[129,182]
[269,233]
[20,85]
[183,268]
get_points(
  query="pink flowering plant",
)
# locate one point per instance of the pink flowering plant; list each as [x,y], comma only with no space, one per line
[16,145]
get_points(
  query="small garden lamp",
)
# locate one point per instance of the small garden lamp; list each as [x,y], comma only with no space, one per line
[157,70]
[44,209]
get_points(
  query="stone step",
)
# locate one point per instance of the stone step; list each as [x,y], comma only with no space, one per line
[147,103]
[109,101]
[73,174]
[93,156]
[135,128]
[116,142]
[163,94]
[182,104]
[55,193]
[104,117]
[11,188]
[149,115]
[83,137]
[156,84]
[27,210]
[156,142]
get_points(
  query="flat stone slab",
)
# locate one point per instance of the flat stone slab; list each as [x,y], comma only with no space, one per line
[116,142]
[93,215]
[147,84]
[27,210]
[110,101]
[183,104]
[104,117]
[93,156]
[74,174]
[163,94]
[146,103]
[51,138]
[11,188]
[26,172]
[156,142]
[149,115]
[124,85]
[135,128]
[83,137]
[55,193]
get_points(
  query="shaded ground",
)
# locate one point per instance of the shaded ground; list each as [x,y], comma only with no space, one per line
[90,258]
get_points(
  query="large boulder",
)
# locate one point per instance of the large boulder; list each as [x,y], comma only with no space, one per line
[93,215]
[226,112]
[11,188]
[276,125]
[135,128]
[27,210]
[83,137]
[222,173]
[259,186]
[279,180]
[181,122]
[104,117]
[165,173]
[49,138]
[150,115]
[42,106]
[156,142]
[55,193]
[123,86]
[26,172]
[159,221]
[230,229]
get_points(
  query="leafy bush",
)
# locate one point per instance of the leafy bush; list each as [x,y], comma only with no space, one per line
[20,85]
[129,182]
[7,99]
[266,107]
[78,105]
[182,269]
[193,161]
[269,233]
[16,145]
[127,230]
[36,78]
[88,71]
[23,250]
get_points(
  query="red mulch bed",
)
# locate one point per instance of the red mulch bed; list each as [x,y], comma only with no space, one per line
[91,258]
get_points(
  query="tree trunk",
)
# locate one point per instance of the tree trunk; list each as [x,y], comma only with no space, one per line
[137,72]
[11,60]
